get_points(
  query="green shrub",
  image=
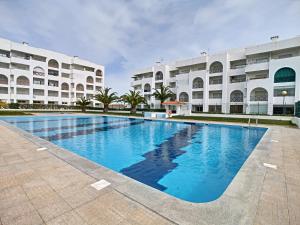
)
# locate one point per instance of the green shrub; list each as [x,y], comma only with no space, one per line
[13,105]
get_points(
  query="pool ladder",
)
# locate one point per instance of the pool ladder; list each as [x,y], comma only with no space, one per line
[249,121]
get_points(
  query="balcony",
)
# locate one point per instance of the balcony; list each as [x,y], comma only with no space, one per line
[258,65]
[20,60]
[3,90]
[65,94]
[4,59]
[53,72]
[136,82]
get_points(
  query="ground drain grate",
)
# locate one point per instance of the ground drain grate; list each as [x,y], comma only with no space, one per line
[272,166]
[100,184]
[42,149]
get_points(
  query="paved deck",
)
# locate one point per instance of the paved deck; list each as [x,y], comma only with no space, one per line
[53,187]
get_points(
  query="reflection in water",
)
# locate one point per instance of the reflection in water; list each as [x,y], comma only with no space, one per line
[159,161]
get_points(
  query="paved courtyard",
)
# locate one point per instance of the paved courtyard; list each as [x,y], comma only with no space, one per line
[53,187]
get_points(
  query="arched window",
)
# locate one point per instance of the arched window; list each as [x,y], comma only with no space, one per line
[159,75]
[198,83]
[53,63]
[285,74]
[22,80]
[147,88]
[79,87]
[183,97]
[236,96]
[65,86]
[3,79]
[39,71]
[259,94]
[98,73]
[90,80]
[216,67]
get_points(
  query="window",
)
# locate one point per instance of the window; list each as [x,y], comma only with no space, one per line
[38,71]
[238,78]
[65,66]
[197,108]
[22,80]
[216,80]
[215,108]
[65,86]
[238,64]
[3,90]
[79,87]
[19,66]
[183,97]
[290,91]
[197,95]
[285,75]
[215,94]
[38,92]
[174,73]
[38,81]
[53,63]
[4,65]
[159,75]
[53,72]
[90,80]
[172,84]
[198,83]
[259,94]
[3,79]
[216,67]
[52,83]
[99,73]
[236,96]
[53,93]
[147,88]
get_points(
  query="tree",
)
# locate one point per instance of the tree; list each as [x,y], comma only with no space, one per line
[162,94]
[106,98]
[133,98]
[83,103]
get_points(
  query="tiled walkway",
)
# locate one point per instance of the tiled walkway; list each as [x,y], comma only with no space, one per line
[36,187]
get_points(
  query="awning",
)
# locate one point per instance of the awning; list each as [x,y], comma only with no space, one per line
[174,103]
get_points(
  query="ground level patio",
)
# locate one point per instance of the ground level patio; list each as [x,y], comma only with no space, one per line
[53,187]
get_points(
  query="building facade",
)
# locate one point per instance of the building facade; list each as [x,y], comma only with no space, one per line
[261,79]
[31,75]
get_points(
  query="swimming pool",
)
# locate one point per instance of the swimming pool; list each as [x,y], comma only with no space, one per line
[191,161]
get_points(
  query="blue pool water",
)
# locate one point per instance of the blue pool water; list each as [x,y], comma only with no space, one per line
[193,162]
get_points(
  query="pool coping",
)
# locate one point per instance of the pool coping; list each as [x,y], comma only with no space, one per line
[237,205]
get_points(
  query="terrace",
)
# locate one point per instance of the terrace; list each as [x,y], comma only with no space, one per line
[53,186]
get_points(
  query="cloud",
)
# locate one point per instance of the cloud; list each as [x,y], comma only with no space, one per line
[127,35]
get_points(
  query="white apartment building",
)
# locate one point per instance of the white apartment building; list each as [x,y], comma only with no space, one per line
[39,76]
[261,79]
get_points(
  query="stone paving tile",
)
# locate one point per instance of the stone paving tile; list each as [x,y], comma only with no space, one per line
[69,218]
[20,209]
[37,187]
[30,218]
[293,192]
[54,210]
[95,212]
[10,197]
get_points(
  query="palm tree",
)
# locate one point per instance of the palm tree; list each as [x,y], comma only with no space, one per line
[106,98]
[133,98]
[83,103]
[162,94]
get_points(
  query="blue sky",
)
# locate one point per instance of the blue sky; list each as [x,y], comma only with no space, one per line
[130,34]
